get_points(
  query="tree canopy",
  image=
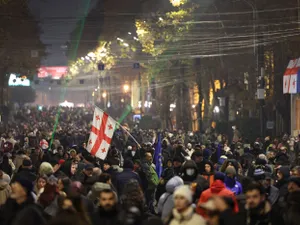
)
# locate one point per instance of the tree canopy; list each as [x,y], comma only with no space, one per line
[21,49]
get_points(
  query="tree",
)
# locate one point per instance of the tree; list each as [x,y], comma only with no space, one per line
[21,49]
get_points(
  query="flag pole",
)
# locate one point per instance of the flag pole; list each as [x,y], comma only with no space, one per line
[129,134]
[124,130]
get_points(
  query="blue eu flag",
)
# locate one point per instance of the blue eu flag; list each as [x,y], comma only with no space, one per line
[158,157]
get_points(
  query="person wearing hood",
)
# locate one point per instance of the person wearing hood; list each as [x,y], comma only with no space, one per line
[177,164]
[166,202]
[200,162]
[189,171]
[282,157]
[230,181]
[217,188]
[283,175]
[265,179]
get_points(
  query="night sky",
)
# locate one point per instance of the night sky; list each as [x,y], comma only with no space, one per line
[58,19]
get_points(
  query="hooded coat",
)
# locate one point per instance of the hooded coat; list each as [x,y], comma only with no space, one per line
[189,164]
[282,185]
[166,203]
[233,185]
[217,188]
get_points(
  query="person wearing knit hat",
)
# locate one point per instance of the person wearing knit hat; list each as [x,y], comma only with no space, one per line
[231,183]
[21,189]
[219,176]
[46,169]
[184,191]
[183,212]
[294,184]
[264,179]
[96,189]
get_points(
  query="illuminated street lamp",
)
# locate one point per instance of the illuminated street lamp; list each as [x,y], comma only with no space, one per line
[216,109]
[126,87]
[177,3]
[104,95]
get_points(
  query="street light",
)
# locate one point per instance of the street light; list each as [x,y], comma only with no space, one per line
[126,87]
[176,3]
[104,94]
[216,109]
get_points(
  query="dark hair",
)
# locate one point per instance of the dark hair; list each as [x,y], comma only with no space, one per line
[132,196]
[104,178]
[66,182]
[49,194]
[44,177]
[107,191]
[256,186]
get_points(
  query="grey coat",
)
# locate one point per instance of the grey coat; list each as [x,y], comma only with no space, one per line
[166,202]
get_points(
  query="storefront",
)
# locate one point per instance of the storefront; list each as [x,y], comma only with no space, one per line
[291,85]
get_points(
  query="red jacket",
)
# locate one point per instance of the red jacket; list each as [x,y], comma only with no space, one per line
[217,188]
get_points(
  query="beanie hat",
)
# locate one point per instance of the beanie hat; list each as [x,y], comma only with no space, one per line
[96,189]
[108,162]
[27,162]
[128,164]
[220,176]
[89,167]
[26,184]
[285,170]
[230,170]
[263,156]
[259,174]
[52,180]
[184,191]
[46,169]
[295,180]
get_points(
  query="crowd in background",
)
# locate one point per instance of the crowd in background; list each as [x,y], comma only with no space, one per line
[48,178]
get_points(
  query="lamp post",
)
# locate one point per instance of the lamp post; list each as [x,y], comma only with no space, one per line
[104,96]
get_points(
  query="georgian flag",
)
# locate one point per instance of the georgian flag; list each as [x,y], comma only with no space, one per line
[103,128]
[291,78]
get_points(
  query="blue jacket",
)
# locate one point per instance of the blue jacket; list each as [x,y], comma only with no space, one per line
[233,185]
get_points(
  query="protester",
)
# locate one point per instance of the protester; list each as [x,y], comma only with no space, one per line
[183,212]
[48,177]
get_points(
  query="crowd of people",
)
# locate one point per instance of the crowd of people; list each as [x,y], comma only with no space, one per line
[49,177]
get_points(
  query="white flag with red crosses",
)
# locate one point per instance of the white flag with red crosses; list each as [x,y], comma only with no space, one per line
[103,128]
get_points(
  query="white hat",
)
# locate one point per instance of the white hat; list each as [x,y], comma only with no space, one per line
[184,191]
